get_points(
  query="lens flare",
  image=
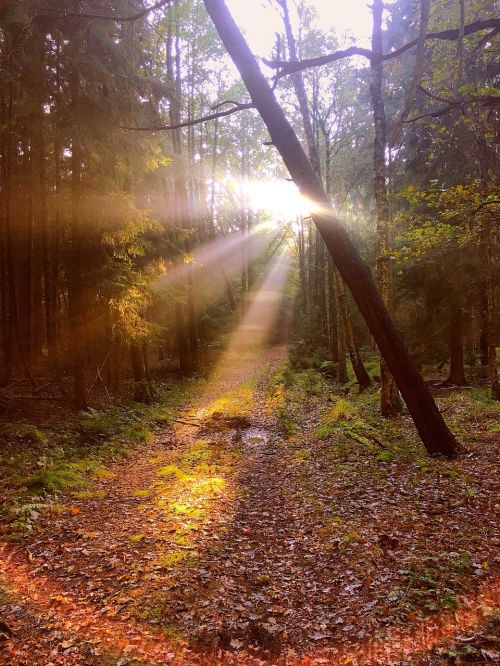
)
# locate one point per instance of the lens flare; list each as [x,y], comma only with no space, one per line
[280,199]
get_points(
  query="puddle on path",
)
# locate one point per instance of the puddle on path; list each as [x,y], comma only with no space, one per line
[254,437]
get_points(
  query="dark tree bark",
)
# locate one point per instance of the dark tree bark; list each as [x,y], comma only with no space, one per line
[185,315]
[300,92]
[390,402]
[141,386]
[41,200]
[182,339]
[362,377]
[75,278]
[456,345]
[435,435]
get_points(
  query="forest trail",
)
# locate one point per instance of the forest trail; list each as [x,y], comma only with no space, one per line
[215,543]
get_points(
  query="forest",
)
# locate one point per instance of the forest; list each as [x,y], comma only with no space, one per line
[249,308]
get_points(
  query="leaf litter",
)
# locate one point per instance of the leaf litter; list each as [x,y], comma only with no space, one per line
[231,542]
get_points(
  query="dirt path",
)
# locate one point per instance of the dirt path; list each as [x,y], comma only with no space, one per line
[220,542]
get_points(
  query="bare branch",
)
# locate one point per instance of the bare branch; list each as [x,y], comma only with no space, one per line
[101,17]
[417,72]
[286,68]
[195,121]
[485,100]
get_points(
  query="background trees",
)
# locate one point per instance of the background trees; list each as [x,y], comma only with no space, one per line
[104,229]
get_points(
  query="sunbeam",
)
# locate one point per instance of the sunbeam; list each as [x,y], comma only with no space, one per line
[225,254]
[260,316]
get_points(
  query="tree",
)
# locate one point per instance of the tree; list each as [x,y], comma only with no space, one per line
[390,403]
[434,433]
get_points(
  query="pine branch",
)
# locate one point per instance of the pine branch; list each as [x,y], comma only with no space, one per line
[196,121]
[286,68]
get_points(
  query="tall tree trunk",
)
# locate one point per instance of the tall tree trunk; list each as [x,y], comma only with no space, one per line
[435,435]
[489,319]
[302,267]
[342,376]
[332,311]
[182,338]
[362,377]
[9,305]
[41,199]
[390,403]
[141,387]
[185,315]
[487,165]
[456,346]
[300,92]
[75,278]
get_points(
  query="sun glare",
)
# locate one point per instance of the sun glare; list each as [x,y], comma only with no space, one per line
[281,199]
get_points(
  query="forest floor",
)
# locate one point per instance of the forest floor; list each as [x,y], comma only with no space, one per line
[270,519]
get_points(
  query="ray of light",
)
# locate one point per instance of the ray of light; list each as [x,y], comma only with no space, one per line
[261,314]
[227,253]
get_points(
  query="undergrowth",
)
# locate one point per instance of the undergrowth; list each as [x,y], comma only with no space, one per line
[39,464]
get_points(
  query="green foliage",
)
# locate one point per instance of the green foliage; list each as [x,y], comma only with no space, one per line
[24,432]
[286,421]
[444,218]
[343,410]
[95,425]
[62,477]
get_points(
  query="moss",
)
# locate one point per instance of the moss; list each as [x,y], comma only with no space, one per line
[56,480]
[25,432]
[136,538]
[301,455]
[97,425]
[385,456]
[172,634]
[172,471]
[343,410]
[139,435]
[449,474]
[174,558]
[326,429]
[103,474]
[286,421]
[350,537]
[183,509]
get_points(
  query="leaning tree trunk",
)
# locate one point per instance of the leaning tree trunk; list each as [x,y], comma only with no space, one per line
[435,435]
[390,403]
